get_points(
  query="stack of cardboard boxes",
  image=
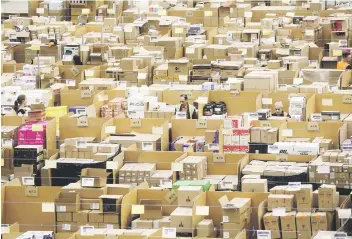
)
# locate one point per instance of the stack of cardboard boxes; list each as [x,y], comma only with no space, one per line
[236,216]
[113,109]
[194,168]
[265,135]
[89,202]
[332,167]
[299,218]
[82,148]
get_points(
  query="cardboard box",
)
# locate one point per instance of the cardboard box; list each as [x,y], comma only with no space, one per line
[93,177]
[236,210]
[187,195]
[288,225]
[304,229]
[80,216]
[319,222]
[142,224]
[111,218]
[152,209]
[67,202]
[64,216]
[163,222]
[95,217]
[255,185]
[230,230]
[272,223]
[90,204]
[305,198]
[181,219]
[280,200]
[205,228]
[327,200]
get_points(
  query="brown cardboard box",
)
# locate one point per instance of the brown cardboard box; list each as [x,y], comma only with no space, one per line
[142,224]
[255,185]
[152,209]
[304,229]
[272,223]
[129,64]
[205,228]
[67,202]
[255,135]
[280,200]
[230,230]
[163,222]
[90,204]
[178,67]
[108,226]
[113,218]
[96,217]
[64,216]
[235,210]
[288,225]
[181,219]
[319,222]
[93,177]
[66,227]
[187,195]
[80,216]
[327,197]
[304,198]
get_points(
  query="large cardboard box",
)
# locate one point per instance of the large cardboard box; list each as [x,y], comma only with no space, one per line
[304,229]
[236,210]
[288,225]
[93,177]
[205,228]
[187,195]
[272,223]
[181,219]
[67,202]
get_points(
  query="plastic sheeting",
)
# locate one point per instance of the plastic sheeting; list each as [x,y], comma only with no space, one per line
[321,75]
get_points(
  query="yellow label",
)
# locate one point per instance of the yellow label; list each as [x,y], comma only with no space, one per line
[313,126]
[201,124]
[35,47]
[136,123]
[218,158]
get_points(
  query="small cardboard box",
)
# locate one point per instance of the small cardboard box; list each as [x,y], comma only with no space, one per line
[205,228]
[67,202]
[95,217]
[236,210]
[163,222]
[327,200]
[230,230]
[64,216]
[272,223]
[93,177]
[152,209]
[319,222]
[142,224]
[187,195]
[90,204]
[80,216]
[305,198]
[304,229]
[113,218]
[255,185]
[181,219]
[280,200]
[288,225]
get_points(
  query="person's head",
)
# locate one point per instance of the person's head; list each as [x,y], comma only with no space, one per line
[20,102]
[183,100]
[53,42]
[346,56]
[279,107]
[77,60]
